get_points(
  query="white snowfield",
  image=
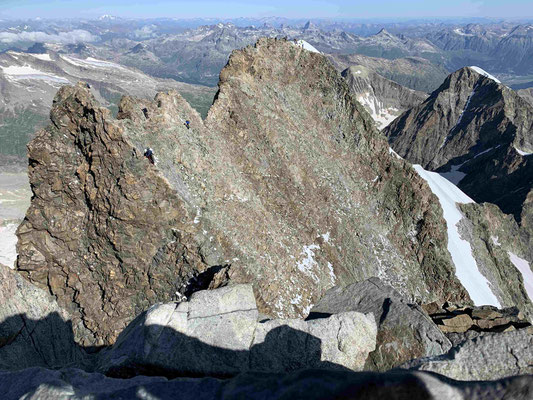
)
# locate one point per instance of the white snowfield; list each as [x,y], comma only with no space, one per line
[524,268]
[522,153]
[466,268]
[307,46]
[18,72]
[484,73]
[381,115]
[90,62]
[43,57]
[8,243]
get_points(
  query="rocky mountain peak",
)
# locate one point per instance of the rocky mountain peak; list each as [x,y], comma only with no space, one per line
[274,188]
[309,26]
[477,132]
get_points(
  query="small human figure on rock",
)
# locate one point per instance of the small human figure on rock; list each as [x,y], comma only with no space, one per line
[188,124]
[149,154]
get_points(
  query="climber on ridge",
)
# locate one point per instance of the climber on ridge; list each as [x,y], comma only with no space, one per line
[149,154]
[188,124]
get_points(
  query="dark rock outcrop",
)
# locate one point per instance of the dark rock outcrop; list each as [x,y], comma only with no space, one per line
[40,383]
[404,330]
[461,323]
[286,185]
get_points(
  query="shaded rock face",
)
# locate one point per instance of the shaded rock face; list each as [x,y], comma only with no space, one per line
[34,331]
[286,185]
[477,132]
[40,383]
[404,330]
[487,357]
[382,98]
[217,333]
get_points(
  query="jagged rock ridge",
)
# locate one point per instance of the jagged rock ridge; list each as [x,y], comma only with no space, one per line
[287,185]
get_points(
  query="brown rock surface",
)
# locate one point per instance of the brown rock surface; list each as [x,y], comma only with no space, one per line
[287,185]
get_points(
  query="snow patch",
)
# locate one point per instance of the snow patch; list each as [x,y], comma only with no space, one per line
[524,268]
[325,236]
[332,273]
[307,264]
[90,62]
[8,245]
[394,153]
[466,268]
[17,72]
[484,73]
[307,46]
[522,153]
[44,57]
[495,240]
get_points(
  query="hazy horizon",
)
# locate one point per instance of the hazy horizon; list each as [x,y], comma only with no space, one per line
[299,9]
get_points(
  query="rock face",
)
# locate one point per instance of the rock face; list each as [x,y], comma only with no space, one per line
[404,330]
[477,132]
[382,98]
[487,357]
[40,383]
[286,185]
[217,333]
[34,331]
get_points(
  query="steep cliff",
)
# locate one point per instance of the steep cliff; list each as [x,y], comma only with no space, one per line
[476,131]
[286,184]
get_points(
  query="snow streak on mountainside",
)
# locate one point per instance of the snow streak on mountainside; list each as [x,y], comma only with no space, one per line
[525,269]
[485,73]
[466,267]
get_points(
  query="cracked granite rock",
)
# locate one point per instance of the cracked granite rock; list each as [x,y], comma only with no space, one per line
[217,333]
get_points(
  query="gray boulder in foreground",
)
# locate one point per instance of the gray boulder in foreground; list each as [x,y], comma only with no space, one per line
[405,331]
[217,333]
[73,384]
[488,356]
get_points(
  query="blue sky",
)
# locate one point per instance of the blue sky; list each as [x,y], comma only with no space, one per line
[253,8]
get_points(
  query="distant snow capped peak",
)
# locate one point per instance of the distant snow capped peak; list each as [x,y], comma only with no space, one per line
[107,17]
[484,73]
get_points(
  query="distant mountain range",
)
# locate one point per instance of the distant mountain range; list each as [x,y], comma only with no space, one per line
[196,54]
[29,81]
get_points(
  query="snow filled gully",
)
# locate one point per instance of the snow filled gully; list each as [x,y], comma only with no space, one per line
[466,268]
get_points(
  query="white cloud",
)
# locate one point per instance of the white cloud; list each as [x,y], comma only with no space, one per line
[145,32]
[71,37]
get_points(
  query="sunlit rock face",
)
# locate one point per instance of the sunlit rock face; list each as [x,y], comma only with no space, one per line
[286,185]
